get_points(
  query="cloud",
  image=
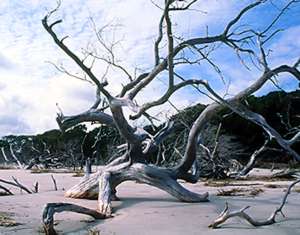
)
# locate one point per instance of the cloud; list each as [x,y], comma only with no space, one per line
[5,63]
[10,124]
[286,48]
[31,102]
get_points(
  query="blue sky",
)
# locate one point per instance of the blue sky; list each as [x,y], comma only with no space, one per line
[30,87]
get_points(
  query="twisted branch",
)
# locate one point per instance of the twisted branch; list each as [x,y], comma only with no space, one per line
[226,214]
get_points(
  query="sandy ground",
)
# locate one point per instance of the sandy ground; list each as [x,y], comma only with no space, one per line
[146,210]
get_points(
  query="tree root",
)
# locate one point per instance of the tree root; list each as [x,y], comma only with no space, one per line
[226,214]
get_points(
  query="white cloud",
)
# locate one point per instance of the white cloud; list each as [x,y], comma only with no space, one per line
[31,102]
[286,48]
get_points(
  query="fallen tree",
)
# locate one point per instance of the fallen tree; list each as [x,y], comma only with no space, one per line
[140,145]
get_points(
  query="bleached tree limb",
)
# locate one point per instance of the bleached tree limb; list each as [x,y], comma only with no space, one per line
[294,139]
[226,214]
[158,40]
[75,58]
[249,166]
[223,37]
[170,44]
[54,182]
[3,154]
[6,190]
[21,186]
[15,157]
[110,58]
[17,184]
[211,110]
[52,208]
[66,122]
[166,96]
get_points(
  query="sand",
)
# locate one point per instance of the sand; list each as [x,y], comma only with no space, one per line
[146,210]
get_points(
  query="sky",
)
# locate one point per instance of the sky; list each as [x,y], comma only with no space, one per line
[30,86]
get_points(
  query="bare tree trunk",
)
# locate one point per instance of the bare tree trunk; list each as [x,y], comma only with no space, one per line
[14,156]
[88,167]
[3,154]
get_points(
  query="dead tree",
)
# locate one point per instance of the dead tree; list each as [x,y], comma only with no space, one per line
[132,165]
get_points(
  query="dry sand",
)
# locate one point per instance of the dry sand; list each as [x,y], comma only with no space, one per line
[146,210]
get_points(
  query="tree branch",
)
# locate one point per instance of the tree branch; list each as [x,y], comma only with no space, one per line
[52,208]
[226,214]
[214,108]
[61,45]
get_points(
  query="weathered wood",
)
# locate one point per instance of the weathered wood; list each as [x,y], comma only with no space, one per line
[6,190]
[226,214]
[88,168]
[54,182]
[86,188]
[4,154]
[132,165]
[105,192]
[110,178]
[17,184]
[15,157]
[251,163]
[36,187]
[52,208]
